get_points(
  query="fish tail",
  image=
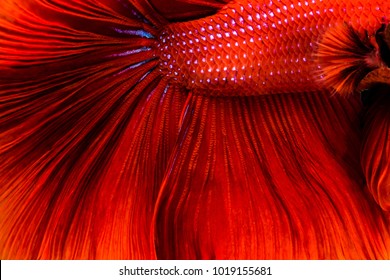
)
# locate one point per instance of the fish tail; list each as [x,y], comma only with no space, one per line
[72,77]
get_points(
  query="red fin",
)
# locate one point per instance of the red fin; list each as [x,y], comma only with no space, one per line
[86,128]
[273,177]
[180,10]
[376,147]
[344,59]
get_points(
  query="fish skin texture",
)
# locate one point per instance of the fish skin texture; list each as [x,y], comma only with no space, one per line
[261,47]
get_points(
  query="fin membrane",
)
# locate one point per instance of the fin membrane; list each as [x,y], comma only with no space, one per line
[375,155]
[86,128]
[270,177]
[183,10]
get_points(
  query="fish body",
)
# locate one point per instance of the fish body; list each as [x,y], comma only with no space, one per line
[261,47]
[113,144]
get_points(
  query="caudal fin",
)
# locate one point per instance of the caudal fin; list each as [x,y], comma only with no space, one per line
[86,126]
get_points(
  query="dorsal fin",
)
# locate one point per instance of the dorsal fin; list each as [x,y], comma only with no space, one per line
[183,10]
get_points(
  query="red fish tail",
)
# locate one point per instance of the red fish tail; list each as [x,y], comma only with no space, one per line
[81,100]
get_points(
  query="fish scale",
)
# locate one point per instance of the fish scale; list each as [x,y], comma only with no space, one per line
[259,47]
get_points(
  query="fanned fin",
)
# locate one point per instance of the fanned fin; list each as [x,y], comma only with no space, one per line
[376,146]
[86,128]
[345,59]
[273,177]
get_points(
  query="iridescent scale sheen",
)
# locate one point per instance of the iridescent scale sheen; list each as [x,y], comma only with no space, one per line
[260,47]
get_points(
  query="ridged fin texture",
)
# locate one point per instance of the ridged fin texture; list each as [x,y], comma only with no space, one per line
[376,147]
[86,128]
[344,59]
[274,177]
[100,158]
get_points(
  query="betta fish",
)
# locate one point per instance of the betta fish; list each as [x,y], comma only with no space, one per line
[194,129]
